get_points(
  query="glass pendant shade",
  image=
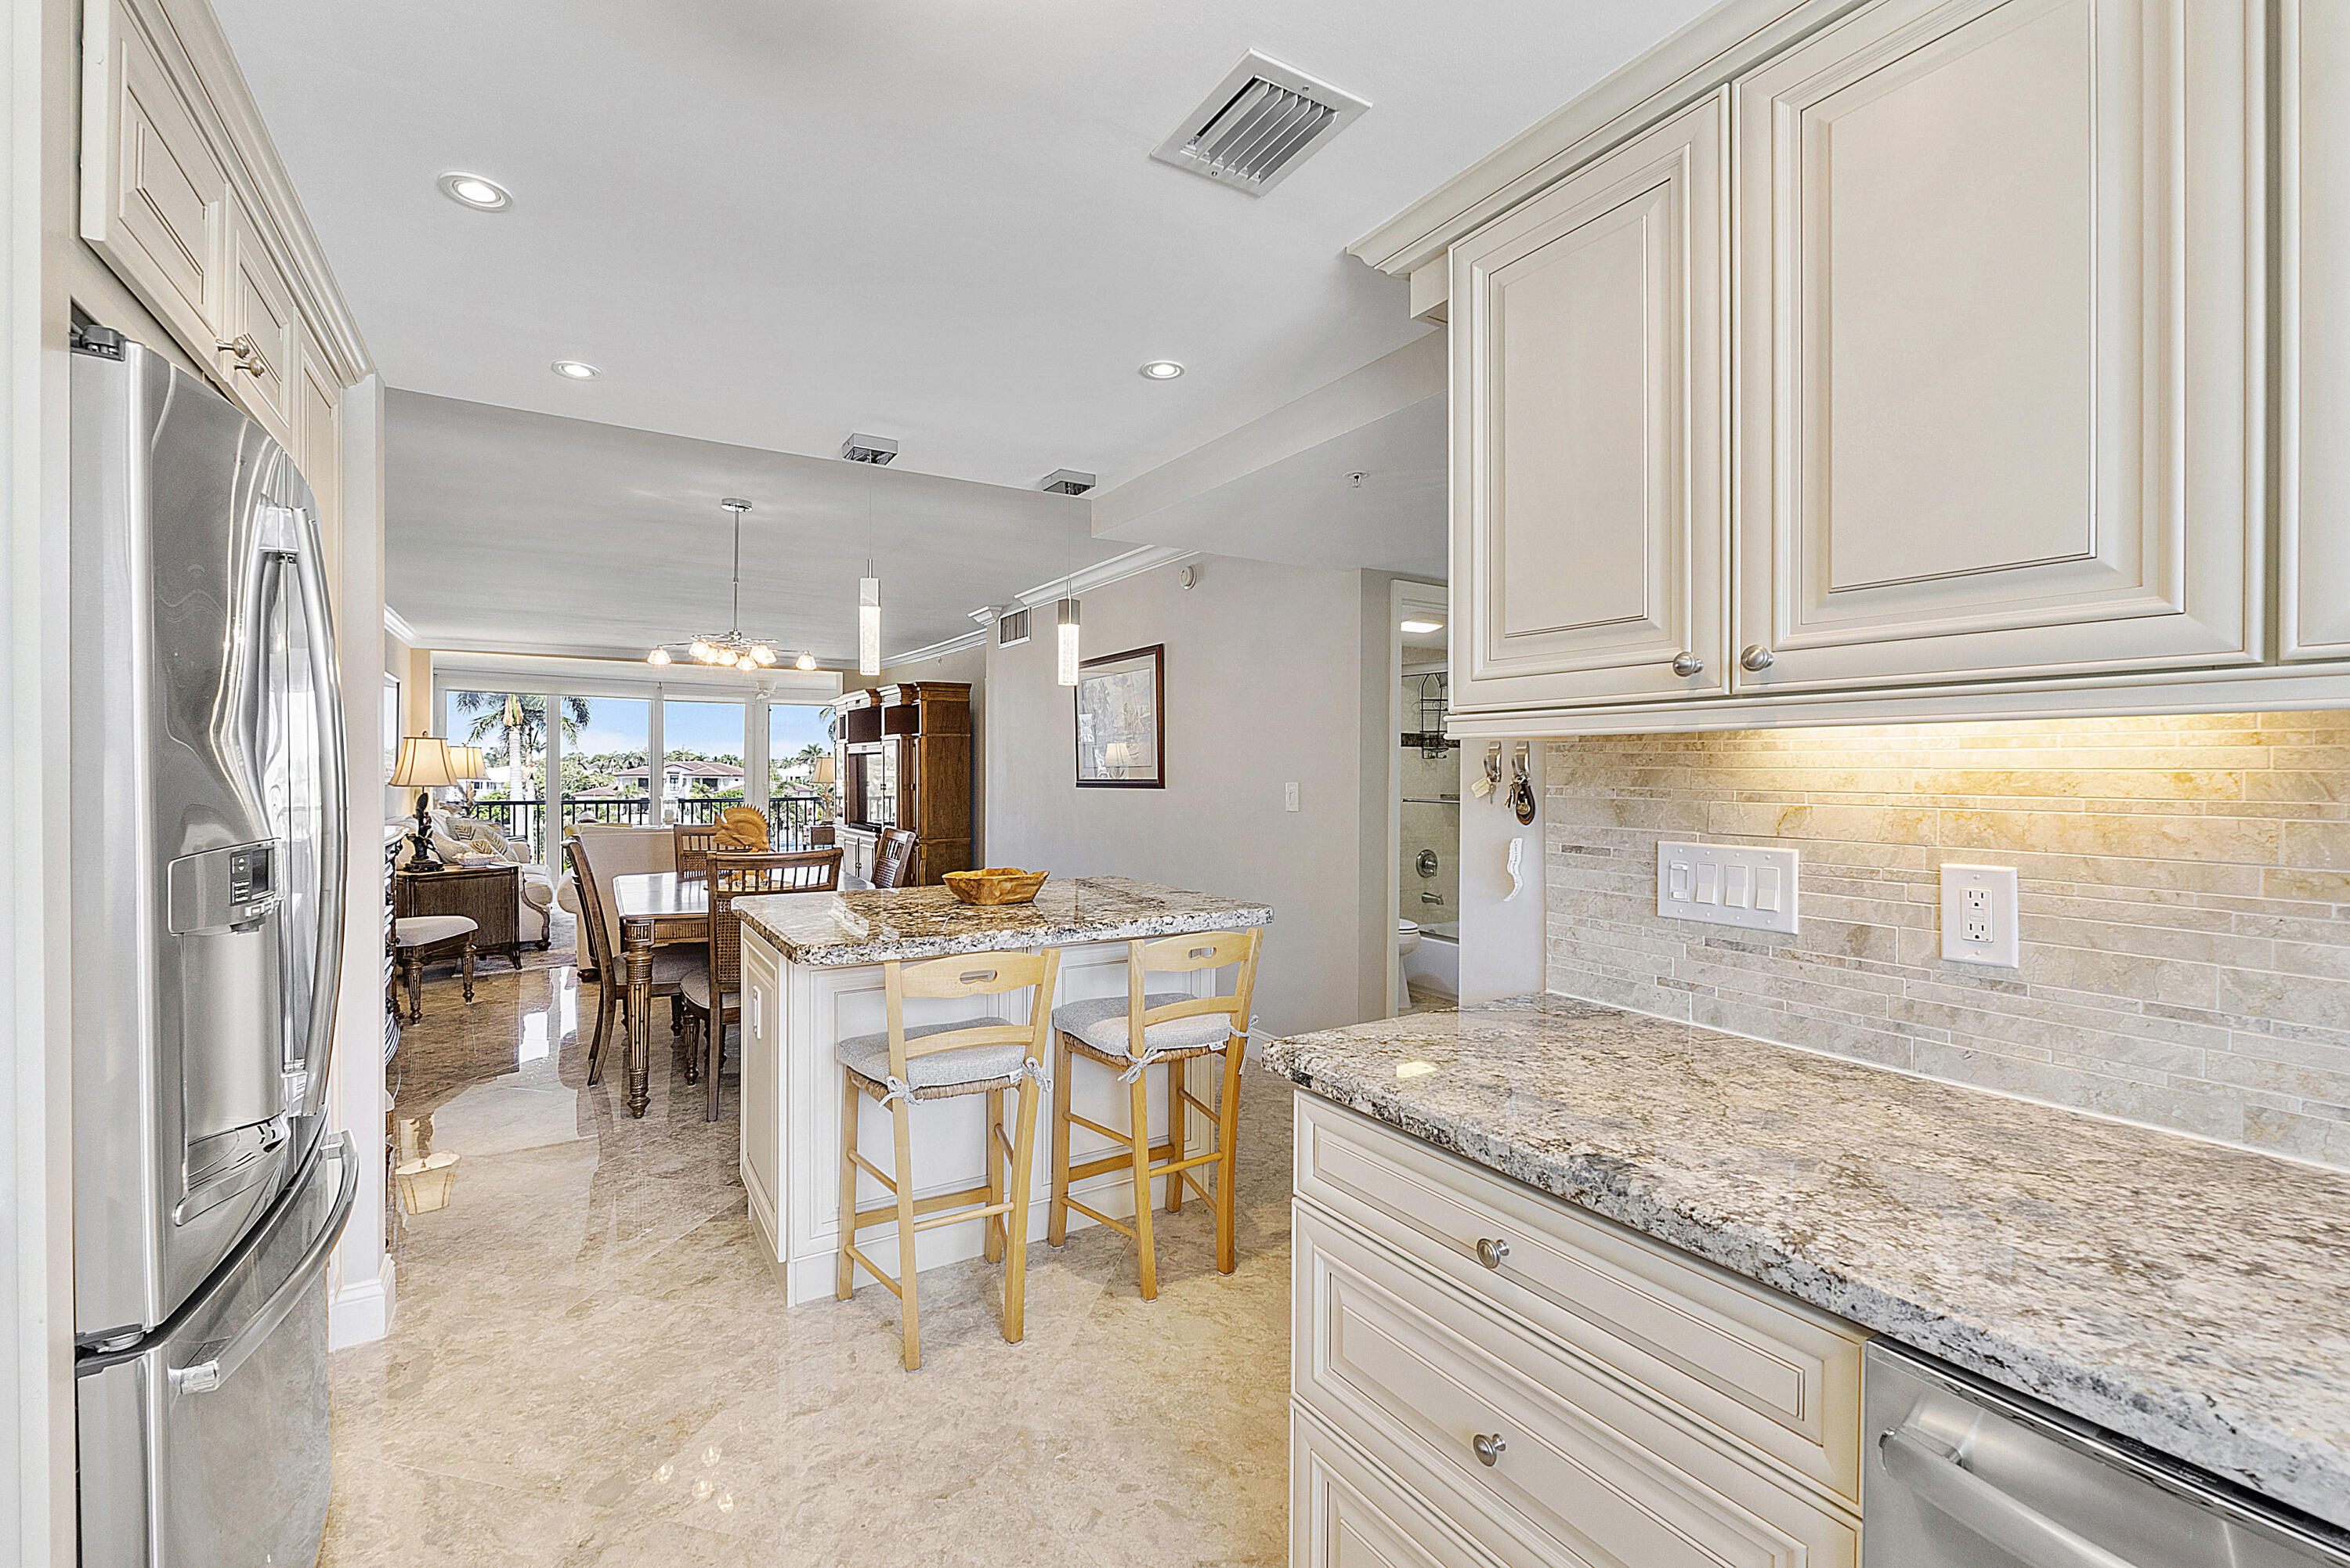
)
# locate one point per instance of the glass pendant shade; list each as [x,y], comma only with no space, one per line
[658,656]
[1068,660]
[806,662]
[868,626]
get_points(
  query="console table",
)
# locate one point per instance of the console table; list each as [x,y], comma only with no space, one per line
[489,896]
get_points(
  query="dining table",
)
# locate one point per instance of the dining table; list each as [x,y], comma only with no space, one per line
[656,908]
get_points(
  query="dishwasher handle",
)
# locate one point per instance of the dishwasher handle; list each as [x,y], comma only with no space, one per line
[2025,1534]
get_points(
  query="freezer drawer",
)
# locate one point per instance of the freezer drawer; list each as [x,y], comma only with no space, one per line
[1960,1474]
[205,1447]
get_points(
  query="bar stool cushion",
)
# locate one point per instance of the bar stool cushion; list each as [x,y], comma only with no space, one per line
[1100,1023]
[694,986]
[868,1056]
[423,930]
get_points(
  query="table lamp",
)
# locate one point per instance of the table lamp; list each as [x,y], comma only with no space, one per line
[425,765]
[467,761]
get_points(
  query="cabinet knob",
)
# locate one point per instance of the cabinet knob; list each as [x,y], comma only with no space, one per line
[1491,1250]
[1687,663]
[248,353]
[1490,1447]
[1757,657]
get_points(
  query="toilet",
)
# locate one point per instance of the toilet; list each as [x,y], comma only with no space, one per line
[1407,944]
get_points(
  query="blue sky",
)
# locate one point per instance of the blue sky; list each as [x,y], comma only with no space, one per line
[617,724]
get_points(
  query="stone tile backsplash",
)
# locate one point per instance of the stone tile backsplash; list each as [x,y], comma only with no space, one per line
[2186,906]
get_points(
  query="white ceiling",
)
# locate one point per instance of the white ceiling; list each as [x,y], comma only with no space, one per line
[771,222]
[512,530]
[1372,497]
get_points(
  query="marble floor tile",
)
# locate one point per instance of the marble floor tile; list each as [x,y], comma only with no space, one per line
[591,1366]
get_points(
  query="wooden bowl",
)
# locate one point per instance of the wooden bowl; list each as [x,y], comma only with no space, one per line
[996,885]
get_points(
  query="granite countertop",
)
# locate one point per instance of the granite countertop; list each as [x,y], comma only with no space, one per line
[2192,1296]
[830,928]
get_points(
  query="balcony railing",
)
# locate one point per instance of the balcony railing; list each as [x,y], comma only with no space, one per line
[790,818]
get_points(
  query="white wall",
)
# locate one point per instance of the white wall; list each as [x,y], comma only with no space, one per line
[1269,680]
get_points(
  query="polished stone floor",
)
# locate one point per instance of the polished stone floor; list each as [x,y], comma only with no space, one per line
[590,1365]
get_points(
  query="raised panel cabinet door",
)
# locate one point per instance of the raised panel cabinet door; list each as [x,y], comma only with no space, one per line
[262,332]
[154,198]
[2313,180]
[1998,273]
[317,443]
[1590,505]
[1343,1514]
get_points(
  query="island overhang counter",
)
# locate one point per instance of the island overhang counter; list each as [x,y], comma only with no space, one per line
[812,975]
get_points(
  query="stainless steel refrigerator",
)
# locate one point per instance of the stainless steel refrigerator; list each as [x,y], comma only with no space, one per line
[208,859]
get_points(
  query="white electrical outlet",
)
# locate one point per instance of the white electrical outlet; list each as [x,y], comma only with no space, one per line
[1978,917]
[1727,884]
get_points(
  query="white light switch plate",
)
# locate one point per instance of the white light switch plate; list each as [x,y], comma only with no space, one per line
[1727,884]
[1979,916]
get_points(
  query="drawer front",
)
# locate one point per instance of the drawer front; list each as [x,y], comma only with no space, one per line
[1591,1474]
[1343,1514]
[1781,1378]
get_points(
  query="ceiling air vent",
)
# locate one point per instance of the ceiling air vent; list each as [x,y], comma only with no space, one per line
[1011,630]
[1258,125]
[875,450]
[1067,482]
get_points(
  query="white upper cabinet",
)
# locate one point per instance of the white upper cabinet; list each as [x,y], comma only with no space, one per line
[1999,340]
[260,331]
[2313,86]
[154,198]
[1589,341]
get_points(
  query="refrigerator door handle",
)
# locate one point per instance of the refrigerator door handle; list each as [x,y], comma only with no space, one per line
[289,536]
[224,1359]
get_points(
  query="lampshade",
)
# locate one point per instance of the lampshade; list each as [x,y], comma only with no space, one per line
[824,769]
[425,764]
[467,760]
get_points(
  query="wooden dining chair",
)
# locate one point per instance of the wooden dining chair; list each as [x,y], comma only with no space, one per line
[1133,1034]
[982,1056]
[893,857]
[713,993]
[694,840]
[670,964]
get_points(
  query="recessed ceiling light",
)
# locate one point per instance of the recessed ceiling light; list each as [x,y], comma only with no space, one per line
[1422,626]
[573,370]
[1161,371]
[473,191]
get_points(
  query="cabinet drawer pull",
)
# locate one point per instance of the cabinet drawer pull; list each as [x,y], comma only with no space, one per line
[1686,663]
[1757,657]
[1491,1250]
[1490,1447]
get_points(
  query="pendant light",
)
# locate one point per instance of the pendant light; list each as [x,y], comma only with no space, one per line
[869,601]
[1068,621]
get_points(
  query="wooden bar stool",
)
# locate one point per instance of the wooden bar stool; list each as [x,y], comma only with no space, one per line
[1133,1032]
[936,1061]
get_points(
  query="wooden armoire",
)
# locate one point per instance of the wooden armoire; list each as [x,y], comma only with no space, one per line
[903,757]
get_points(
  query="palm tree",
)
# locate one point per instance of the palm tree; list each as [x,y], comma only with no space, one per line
[520,724]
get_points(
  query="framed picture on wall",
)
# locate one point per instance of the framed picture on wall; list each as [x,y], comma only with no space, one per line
[391,725]
[1122,721]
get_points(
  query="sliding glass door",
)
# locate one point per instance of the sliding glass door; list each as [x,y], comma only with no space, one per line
[799,757]
[510,729]
[603,775]
[701,767]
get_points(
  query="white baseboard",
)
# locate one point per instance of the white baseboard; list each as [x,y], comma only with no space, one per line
[360,1311]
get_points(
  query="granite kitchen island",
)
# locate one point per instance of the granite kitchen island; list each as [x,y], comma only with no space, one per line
[812,975]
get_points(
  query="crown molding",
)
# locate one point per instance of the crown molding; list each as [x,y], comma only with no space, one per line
[1132,563]
[397,624]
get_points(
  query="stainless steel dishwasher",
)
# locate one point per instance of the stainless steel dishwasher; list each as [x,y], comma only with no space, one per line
[1963,1474]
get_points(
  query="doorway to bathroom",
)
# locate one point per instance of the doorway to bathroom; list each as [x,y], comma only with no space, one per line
[1424,804]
